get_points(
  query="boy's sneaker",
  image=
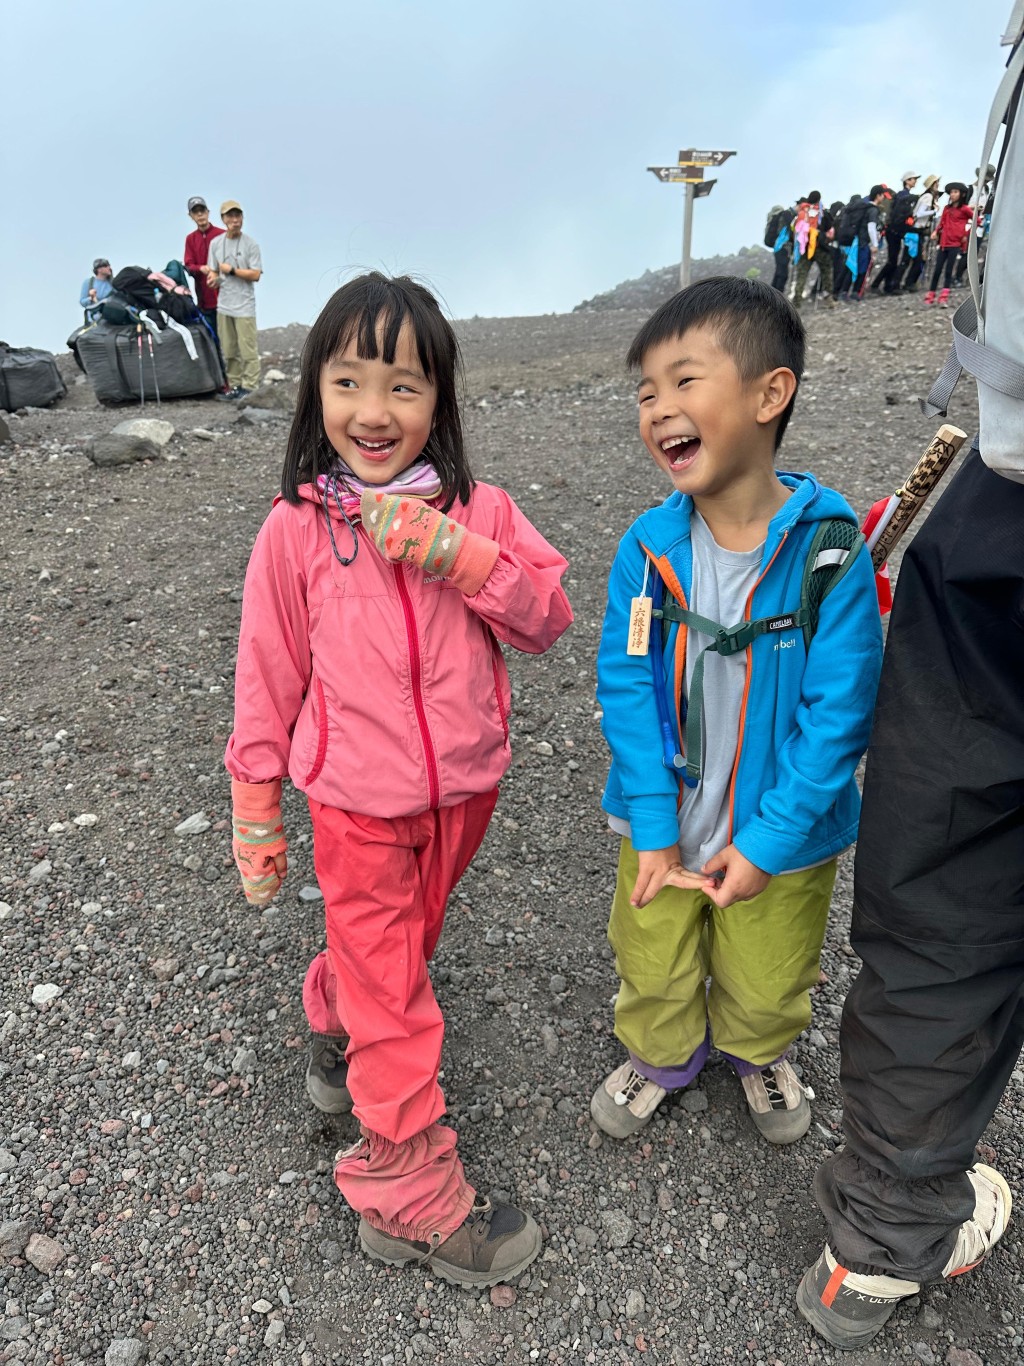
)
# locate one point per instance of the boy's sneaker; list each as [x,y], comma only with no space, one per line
[327,1075]
[929,298]
[493,1243]
[625,1101]
[849,1309]
[778,1103]
[943,298]
[228,395]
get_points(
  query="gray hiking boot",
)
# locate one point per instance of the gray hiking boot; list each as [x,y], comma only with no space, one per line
[493,1243]
[625,1101]
[778,1103]
[327,1074]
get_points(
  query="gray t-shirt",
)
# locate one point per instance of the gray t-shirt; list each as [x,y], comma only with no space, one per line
[722,582]
[236,298]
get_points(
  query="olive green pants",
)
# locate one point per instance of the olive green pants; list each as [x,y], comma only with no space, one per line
[240,348]
[761,957]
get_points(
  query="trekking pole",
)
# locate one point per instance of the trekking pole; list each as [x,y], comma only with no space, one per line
[152,361]
[142,385]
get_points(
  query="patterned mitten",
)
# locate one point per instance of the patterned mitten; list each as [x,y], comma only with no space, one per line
[408,529]
[258,841]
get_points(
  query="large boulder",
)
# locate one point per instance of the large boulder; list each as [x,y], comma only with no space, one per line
[147,428]
[279,396]
[121,448]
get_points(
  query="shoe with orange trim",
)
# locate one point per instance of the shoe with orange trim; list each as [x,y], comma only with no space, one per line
[849,1308]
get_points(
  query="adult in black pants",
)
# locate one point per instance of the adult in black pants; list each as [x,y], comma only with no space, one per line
[934,1023]
[901,216]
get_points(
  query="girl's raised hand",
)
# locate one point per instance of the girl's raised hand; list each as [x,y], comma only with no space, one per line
[408,529]
[258,843]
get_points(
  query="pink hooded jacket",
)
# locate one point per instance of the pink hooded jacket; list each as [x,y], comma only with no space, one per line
[376,688]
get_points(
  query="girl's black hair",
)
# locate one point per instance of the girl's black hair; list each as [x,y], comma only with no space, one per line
[372,304]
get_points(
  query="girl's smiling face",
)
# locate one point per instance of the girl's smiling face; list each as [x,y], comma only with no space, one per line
[378,417]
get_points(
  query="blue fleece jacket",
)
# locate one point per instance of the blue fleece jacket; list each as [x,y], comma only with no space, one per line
[806,713]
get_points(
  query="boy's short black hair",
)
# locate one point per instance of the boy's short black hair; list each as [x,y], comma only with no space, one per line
[755,326]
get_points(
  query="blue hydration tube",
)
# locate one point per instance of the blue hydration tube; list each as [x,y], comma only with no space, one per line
[670,754]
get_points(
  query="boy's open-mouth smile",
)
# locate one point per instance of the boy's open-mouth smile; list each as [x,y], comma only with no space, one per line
[681,451]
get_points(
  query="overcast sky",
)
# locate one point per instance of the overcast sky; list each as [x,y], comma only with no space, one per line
[497,150]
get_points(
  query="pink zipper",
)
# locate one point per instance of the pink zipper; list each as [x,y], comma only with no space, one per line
[433,777]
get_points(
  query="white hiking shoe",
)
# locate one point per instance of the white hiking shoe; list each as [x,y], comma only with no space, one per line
[625,1101]
[778,1103]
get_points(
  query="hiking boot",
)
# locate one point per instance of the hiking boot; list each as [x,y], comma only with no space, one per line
[327,1075]
[943,298]
[777,1103]
[229,395]
[849,1308]
[493,1243]
[625,1101]
[929,298]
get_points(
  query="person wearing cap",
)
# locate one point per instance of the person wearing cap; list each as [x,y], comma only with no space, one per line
[901,217]
[96,288]
[924,222]
[197,253]
[233,267]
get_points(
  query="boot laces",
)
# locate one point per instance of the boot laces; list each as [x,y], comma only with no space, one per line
[628,1093]
[776,1100]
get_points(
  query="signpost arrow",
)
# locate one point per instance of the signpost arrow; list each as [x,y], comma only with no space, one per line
[689,156]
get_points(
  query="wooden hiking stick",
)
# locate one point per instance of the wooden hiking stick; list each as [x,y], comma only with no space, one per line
[907,501]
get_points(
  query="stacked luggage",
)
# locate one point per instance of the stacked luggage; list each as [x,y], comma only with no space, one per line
[28,378]
[130,364]
[150,341]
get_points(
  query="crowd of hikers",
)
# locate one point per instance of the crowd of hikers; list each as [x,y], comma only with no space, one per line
[882,242]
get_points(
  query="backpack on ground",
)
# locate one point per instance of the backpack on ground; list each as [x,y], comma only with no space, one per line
[854,217]
[833,549]
[28,378]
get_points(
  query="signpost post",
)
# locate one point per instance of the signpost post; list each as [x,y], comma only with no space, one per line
[689,172]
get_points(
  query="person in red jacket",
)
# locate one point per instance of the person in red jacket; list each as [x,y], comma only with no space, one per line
[197,251]
[951,236]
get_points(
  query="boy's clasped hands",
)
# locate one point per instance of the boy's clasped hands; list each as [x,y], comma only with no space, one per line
[726,878]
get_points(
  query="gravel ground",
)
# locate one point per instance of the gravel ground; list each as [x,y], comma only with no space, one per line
[165,1187]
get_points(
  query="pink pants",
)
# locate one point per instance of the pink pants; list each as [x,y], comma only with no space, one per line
[386,884]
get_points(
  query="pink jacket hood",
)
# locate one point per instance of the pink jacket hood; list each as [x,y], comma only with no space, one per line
[376,688]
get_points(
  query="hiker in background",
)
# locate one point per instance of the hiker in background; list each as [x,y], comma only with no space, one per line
[916,238]
[858,236]
[778,237]
[901,217]
[951,238]
[234,266]
[813,230]
[96,288]
[197,255]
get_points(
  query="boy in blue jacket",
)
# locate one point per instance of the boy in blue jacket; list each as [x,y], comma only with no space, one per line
[732,778]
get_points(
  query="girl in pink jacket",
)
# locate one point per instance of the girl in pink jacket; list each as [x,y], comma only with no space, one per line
[379,592]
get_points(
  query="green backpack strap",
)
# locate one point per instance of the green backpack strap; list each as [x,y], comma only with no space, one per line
[833,549]
[835,546]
